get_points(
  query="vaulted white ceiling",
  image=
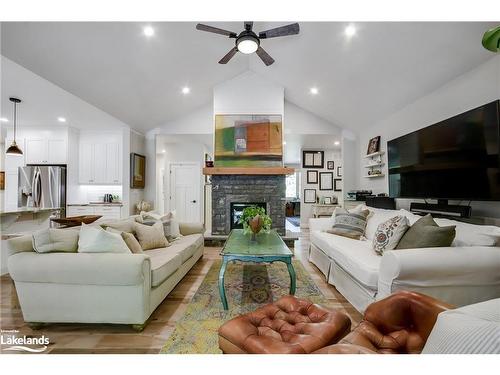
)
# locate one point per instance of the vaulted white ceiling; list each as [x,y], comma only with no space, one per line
[138,80]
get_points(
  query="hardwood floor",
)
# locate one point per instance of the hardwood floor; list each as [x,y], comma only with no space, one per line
[108,338]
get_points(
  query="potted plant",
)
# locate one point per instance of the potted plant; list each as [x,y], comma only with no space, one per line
[255,219]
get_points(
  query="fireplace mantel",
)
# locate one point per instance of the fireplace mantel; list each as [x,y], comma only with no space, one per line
[248,171]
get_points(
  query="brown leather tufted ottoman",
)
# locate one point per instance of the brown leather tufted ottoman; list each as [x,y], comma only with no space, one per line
[290,325]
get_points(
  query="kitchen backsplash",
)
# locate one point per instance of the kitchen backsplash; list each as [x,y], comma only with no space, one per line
[95,193]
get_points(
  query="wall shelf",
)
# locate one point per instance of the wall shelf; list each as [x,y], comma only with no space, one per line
[375,175]
[374,165]
[248,171]
[379,153]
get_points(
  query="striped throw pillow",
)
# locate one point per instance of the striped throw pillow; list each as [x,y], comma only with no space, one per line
[349,224]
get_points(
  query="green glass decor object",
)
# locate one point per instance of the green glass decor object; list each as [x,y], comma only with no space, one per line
[491,39]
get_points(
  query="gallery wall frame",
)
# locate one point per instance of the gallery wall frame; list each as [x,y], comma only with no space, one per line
[312,177]
[337,184]
[309,195]
[325,180]
[313,159]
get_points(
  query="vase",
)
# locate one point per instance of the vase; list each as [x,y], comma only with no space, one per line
[255,224]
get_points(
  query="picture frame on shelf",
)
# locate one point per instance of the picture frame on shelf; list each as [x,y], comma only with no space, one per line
[373,145]
[326,181]
[313,159]
[312,177]
[309,195]
[330,164]
[337,184]
[339,171]
[328,200]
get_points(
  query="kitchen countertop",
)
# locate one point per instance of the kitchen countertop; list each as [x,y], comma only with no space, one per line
[117,204]
[33,210]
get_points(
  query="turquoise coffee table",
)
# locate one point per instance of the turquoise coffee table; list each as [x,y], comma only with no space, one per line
[268,248]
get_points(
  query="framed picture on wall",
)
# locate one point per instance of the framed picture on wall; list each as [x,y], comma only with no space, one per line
[339,171]
[313,159]
[373,145]
[312,177]
[328,200]
[337,184]
[137,171]
[330,164]
[326,181]
[309,195]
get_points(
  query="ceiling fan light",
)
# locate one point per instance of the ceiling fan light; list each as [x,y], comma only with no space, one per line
[247,45]
[14,150]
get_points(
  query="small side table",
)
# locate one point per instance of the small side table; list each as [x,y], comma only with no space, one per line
[323,209]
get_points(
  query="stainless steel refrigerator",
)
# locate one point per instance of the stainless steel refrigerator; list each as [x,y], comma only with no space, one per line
[42,186]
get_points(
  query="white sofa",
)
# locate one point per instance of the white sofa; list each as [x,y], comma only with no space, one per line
[100,287]
[465,273]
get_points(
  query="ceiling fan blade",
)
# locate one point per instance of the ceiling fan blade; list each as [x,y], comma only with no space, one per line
[215,30]
[248,25]
[264,56]
[291,29]
[228,56]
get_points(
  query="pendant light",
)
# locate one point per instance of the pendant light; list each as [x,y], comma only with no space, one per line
[14,149]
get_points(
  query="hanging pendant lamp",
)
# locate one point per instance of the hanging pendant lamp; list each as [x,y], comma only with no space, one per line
[14,148]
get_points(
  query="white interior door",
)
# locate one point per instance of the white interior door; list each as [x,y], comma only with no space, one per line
[185,191]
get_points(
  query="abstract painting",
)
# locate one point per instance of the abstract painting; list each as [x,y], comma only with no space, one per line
[248,141]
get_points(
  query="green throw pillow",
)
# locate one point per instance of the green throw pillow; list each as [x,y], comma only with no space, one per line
[426,233]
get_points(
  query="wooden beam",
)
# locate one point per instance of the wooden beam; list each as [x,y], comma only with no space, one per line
[248,171]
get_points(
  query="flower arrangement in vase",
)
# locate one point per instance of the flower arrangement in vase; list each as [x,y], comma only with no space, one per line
[255,219]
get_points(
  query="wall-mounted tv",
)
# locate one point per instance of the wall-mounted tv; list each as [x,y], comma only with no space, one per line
[458,158]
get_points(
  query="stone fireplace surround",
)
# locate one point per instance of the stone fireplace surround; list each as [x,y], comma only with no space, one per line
[270,189]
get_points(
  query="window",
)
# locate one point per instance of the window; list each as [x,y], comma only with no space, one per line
[292,185]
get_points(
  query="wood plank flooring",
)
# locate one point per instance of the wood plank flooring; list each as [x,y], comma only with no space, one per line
[108,338]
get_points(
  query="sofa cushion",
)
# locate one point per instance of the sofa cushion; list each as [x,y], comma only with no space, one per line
[125,225]
[389,233]
[356,257]
[349,224]
[94,239]
[164,262]
[426,233]
[55,240]
[186,246]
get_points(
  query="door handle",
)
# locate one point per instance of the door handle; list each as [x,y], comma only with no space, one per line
[193,201]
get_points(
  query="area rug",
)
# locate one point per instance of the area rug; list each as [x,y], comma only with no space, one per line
[294,220]
[248,286]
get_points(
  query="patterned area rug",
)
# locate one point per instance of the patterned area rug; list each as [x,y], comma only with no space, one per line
[248,286]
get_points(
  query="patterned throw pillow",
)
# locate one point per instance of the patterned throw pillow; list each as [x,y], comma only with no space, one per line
[389,233]
[349,224]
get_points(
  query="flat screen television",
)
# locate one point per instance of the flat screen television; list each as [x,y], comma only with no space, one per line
[458,158]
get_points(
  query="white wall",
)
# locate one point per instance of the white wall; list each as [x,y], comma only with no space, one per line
[305,208]
[479,86]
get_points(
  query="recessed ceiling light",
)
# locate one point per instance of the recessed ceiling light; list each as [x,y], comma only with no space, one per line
[148,31]
[284,142]
[186,90]
[3,119]
[350,31]
[336,143]
[61,119]
[163,151]
[314,90]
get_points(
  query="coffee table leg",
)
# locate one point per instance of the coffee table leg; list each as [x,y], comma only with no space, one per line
[293,277]
[222,290]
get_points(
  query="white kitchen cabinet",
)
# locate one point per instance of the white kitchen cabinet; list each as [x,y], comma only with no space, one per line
[100,163]
[107,212]
[46,147]
[11,192]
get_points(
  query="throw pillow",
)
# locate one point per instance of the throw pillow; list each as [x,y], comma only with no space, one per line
[151,237]
[55,240]
[347,224]
[389,233]
[125,225]
[130,240]
[170,223]
[94,239]
[426,233]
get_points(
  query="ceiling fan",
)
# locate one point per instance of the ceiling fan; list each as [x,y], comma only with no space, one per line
[248,41]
